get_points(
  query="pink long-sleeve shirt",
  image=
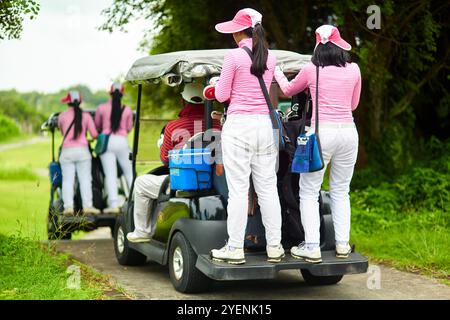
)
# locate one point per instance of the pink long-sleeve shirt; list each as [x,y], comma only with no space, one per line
[103,119]
[65,119]
[239,86]
[339,90]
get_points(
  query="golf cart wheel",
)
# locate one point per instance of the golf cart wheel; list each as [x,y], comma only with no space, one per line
[125,255]
[185,277]
[313,280]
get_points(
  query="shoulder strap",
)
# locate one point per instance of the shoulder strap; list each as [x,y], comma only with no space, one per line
[265,92]
[67,131]
[317,100]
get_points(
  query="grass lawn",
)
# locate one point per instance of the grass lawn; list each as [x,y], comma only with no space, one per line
[33,271]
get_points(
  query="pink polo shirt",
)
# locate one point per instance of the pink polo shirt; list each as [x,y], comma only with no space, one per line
[239,86]
[65,119]
[339,90]
[103,119]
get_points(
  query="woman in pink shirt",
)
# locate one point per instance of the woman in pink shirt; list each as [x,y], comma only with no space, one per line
[339,91]
[248,143]
[75,155]
[115,120]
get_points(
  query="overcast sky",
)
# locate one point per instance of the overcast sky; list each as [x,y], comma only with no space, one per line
[63,47]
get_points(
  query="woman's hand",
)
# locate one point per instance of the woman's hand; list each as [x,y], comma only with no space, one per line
[219,170]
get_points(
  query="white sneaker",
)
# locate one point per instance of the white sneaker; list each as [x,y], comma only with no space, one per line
[68,212]
[92,211]
[275,253]
[228,254]
[138,238]
[111,211]
[343,251]
[302,252]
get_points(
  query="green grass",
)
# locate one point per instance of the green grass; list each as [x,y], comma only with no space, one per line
[17,174]
[33,271]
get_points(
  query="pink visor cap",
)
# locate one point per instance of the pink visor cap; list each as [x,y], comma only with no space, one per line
[72,96]
[244,19]
[327,33]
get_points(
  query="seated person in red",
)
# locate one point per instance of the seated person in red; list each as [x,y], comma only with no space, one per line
[176,134]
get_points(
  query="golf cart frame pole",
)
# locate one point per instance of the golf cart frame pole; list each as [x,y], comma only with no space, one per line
[136,138]
[208,110]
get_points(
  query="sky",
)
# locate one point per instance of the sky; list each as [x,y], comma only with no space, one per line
[62,47]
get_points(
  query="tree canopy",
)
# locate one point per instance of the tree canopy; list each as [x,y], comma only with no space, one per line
[13,14]
[405,98]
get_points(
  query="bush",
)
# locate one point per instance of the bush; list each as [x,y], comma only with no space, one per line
[8,128]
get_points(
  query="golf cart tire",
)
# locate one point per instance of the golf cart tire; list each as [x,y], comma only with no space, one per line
[127,256]
[313,280]
[192,280]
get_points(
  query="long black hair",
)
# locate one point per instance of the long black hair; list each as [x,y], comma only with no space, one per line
[260,49]
[329,54]
[116,112]
[78,124]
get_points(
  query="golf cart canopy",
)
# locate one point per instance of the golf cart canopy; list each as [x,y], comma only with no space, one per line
[186,65]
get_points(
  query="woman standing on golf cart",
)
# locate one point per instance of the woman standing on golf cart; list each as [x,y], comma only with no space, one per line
[75,155]
[116,121]
[248,143]
[339,91]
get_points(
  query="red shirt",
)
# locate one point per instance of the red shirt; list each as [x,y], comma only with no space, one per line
[179,131]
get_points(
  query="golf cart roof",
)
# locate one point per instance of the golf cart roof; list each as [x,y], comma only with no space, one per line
[199,64]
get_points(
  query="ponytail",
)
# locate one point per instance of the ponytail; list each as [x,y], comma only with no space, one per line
[78,124]
[260,50]
[116,112]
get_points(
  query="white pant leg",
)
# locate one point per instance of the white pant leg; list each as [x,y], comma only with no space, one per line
[123,157]
[146,187]
[263,165]
[68,180]
[341,173]
[110,169]
[310,184]
[236,159]
[84,175]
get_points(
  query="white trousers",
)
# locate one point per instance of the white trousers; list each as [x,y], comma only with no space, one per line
[76,160]
[340,147]
[146,188]
[117,151]
[248,147]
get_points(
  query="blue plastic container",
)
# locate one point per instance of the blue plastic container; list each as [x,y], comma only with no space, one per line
[190,169]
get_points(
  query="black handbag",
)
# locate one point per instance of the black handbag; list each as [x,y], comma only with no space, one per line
[280,132]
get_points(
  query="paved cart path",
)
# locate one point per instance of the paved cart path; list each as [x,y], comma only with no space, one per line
[151,281]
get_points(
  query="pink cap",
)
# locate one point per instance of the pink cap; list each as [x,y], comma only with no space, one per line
[327,33]
[71,97]
[244,19]
[117,86]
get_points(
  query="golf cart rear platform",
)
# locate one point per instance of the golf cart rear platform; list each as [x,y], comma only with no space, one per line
[257,267]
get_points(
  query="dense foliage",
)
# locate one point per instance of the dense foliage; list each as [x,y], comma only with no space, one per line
[12,15]
[405,98]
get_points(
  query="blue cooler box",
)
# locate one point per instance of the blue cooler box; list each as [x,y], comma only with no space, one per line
[190,169]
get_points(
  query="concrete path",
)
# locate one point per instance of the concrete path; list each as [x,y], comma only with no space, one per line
[151,281]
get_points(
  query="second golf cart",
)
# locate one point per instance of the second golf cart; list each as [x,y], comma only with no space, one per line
[188,224]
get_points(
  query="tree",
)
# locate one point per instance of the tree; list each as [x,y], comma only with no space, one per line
[405,97]
[12,15]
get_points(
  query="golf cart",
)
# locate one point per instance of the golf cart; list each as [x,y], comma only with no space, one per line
[60,227]
[188,224]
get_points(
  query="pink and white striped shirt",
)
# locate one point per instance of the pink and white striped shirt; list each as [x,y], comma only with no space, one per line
[237,85]
[65,119]
[103,119]
[339,90]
